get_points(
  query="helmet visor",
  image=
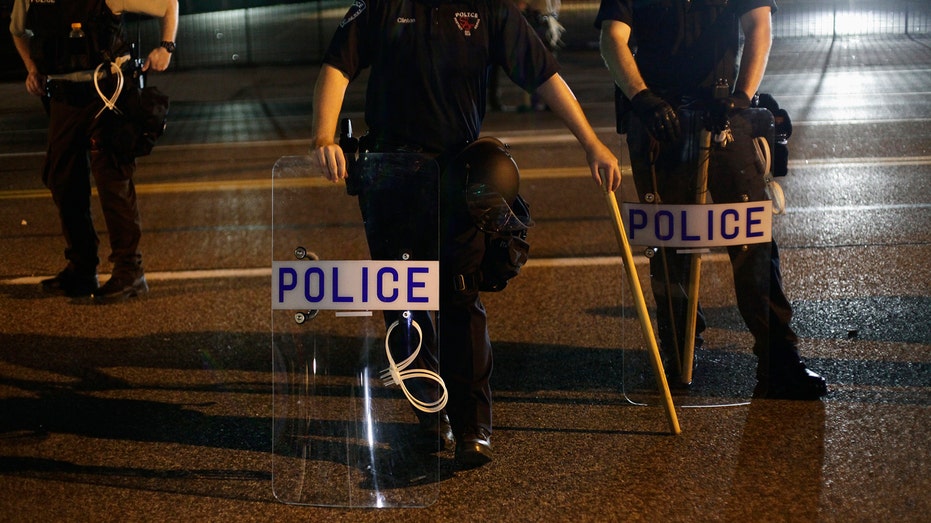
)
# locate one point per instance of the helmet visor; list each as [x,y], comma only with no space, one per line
[491,213]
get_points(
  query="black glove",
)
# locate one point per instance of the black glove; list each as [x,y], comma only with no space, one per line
[723,108]
[657,116]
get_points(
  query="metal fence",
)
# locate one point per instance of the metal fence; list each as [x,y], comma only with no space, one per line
[223,33]
[798,18]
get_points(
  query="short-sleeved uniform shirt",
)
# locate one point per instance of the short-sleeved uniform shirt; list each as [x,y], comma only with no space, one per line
[682,47]
[429,64]
[148,7]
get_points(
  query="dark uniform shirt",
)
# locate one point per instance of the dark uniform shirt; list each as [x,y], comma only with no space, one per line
[682,46]
[430,62]
[55,51]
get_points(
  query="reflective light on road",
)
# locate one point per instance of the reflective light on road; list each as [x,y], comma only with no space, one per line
[855,22]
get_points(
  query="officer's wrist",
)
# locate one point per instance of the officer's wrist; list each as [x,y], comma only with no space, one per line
[642,95]
[741,100]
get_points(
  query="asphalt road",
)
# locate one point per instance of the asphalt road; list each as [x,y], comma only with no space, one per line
[160,408]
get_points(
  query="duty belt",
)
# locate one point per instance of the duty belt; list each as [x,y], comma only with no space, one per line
[77,88]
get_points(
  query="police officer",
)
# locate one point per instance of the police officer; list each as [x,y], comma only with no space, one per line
[683,78]
[429,62]
[62,44]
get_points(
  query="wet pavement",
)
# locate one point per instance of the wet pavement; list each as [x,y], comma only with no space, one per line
[160,409]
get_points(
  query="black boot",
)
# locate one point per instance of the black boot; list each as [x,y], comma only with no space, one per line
[791,383]
[71,283]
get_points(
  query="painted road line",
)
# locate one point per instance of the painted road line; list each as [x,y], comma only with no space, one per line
[266,272]
[529,174]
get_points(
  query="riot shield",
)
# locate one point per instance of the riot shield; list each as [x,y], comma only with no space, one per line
[354,300]
[704,241]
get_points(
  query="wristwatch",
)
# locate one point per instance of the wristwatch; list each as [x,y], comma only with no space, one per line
[169,46]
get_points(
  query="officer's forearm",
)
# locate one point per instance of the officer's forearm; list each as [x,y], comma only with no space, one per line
[619,59]
[169,22]
[757,28]
[35,81]
[557,95]
[603,164]
[328,101]
[22,47]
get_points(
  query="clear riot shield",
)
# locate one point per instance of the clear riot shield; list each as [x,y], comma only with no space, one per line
[354,344]
[704,244]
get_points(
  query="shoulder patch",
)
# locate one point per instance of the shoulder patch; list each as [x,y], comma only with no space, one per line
[354,11]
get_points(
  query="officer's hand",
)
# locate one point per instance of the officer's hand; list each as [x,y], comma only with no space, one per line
[657,116]
[331,161]
[158,60]
[35,84]
[723,109]
[604,166]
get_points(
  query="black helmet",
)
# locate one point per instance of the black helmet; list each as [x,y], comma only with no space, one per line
[492,182]
[488,162]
